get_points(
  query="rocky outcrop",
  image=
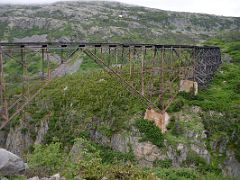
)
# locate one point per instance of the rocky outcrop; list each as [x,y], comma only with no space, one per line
[34,38]
[41,131]
[3,137]
[220,145]
[10,164]
[19,139]
[54,177]
[177,154]
[100,138]
[120,142]
[202,152]
[145,153]
[231,167]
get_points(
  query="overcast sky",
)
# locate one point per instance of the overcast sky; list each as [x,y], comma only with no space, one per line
[218,7]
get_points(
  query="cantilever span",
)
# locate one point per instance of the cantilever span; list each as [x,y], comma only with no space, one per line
[150,71]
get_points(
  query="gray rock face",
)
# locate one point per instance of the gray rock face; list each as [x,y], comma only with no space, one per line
[41,131]
[54,177]
[10,164]
[231,167]
[220,145]
[18,141]
[34,38]
[3,137]
[34,178]
[75,151]
[177,155]
[145,152]
[120,143]
[100,138]
[202,152]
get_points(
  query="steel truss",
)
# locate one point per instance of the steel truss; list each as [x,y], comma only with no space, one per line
[150,71]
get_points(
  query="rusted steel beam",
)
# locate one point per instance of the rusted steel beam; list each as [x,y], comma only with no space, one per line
[83,44]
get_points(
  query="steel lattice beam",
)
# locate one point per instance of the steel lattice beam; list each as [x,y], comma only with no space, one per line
[151,71]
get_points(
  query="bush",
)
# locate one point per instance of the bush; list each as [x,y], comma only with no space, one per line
[175,127]
[163,163]
[176,173]
[46,158]
[212,176]
[176,105]
[110,156]
[150,132]
[201,165]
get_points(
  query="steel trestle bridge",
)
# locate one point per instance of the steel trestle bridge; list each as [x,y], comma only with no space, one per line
[150,71]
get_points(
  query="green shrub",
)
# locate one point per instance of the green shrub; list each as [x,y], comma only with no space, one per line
[212,176]
[46,158]
[171,123]
[176,105]
[175,127]
[163,163]
[86,162]
[176,173]
[110,156]
[15,178]
[150,132]
[88,95]
[229,123]
[200,164]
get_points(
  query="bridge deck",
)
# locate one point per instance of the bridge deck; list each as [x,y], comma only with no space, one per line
[96,44]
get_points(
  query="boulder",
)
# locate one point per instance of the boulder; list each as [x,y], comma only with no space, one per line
[10,164]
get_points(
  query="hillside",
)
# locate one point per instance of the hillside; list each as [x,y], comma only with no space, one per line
[108,22]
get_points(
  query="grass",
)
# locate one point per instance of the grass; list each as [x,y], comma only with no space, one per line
[150,132]
[222,94]
[88,95]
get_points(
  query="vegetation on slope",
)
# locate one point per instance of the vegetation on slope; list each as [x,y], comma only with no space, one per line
[223,95]
[87,164]
[84,98]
